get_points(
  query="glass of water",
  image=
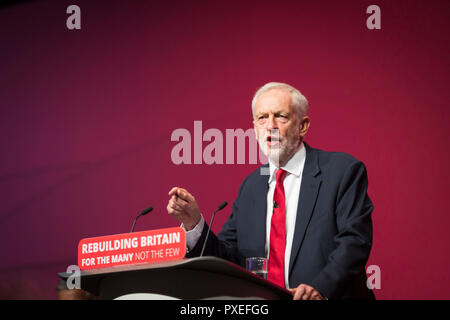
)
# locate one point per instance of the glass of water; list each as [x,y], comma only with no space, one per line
[257,265]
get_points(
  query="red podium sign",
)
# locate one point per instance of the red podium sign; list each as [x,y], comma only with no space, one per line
[132,248]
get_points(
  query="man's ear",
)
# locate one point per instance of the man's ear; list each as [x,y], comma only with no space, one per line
[304,126]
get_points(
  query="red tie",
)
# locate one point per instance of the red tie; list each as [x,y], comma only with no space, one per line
[278,232]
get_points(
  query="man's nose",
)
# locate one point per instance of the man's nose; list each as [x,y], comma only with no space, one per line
[271,123]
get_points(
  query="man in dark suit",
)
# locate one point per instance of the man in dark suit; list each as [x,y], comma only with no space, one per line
[307,209]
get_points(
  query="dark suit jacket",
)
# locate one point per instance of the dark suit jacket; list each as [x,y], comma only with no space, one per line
[333,230]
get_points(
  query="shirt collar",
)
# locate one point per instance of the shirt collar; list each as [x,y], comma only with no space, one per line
[293,166]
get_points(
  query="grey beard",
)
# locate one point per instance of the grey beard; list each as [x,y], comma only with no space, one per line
[285,149]
[278,156]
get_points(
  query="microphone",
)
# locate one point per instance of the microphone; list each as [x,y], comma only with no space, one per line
[220,207]
[143,213]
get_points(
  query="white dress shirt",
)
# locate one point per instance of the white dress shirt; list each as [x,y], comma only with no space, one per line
[292,183]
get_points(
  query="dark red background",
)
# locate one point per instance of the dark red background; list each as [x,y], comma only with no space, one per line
[86,118]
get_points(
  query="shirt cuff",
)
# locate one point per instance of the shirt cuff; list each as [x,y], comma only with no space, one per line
[192,236]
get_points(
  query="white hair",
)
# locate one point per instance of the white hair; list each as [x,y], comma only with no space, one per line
[298,101]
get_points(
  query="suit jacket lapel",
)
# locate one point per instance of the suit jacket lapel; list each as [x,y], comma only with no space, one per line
[260,209]
[309,190]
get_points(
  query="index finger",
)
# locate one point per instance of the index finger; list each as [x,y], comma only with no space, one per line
[173,191]
[185,195]
[299,293]
[176,191]
[181,193]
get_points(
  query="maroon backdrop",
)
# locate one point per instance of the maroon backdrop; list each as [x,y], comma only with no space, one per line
[86,119]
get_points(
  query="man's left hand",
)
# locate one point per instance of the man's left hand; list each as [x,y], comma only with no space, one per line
[305,292]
